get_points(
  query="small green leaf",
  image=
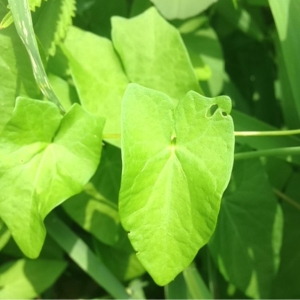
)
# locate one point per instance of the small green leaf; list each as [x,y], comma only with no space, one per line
[45,159]
[26,279]
[98,75]
[163,66]
[175,170]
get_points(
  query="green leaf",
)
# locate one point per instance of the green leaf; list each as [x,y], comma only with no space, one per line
[181,9]
[23,23]
[51,22]
[25,279]
[163,66]
[175,170]
[48,158]
[247,240]
[97,74]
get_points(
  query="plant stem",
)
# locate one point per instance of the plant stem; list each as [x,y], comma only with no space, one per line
[270,152]
[236,133]
[267,133]
[286,198]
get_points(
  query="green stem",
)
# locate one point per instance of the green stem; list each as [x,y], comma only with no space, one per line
[267,133]
[270,152]
[236,133]
[286,198]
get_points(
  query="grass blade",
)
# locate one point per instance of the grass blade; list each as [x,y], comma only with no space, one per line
[22,19]
[84,257]
[197,288]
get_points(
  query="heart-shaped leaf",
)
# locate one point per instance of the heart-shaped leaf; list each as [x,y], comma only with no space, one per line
[44,159]
[177,162]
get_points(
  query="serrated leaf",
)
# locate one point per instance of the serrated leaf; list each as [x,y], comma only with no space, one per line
[25,279]
[163,66]
[247,240]
[181,9]
[48,158]
[8,18]
[97,74]
[51,22]
[176,164]
[33,4]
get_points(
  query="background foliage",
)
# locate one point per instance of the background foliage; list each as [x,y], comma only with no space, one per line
[245,49]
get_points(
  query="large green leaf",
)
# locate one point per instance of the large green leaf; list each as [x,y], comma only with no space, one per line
[181,9]
[25,279]
[247,240]
[176,164]
[98,75]
[48,159]
[154,55]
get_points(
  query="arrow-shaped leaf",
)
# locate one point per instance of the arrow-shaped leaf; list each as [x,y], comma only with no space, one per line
[177,162]
[44,159]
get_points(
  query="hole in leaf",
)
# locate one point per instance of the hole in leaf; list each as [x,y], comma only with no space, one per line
[210,112]
[224,114]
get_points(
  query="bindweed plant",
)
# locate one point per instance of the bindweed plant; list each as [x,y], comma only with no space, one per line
[122,159]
